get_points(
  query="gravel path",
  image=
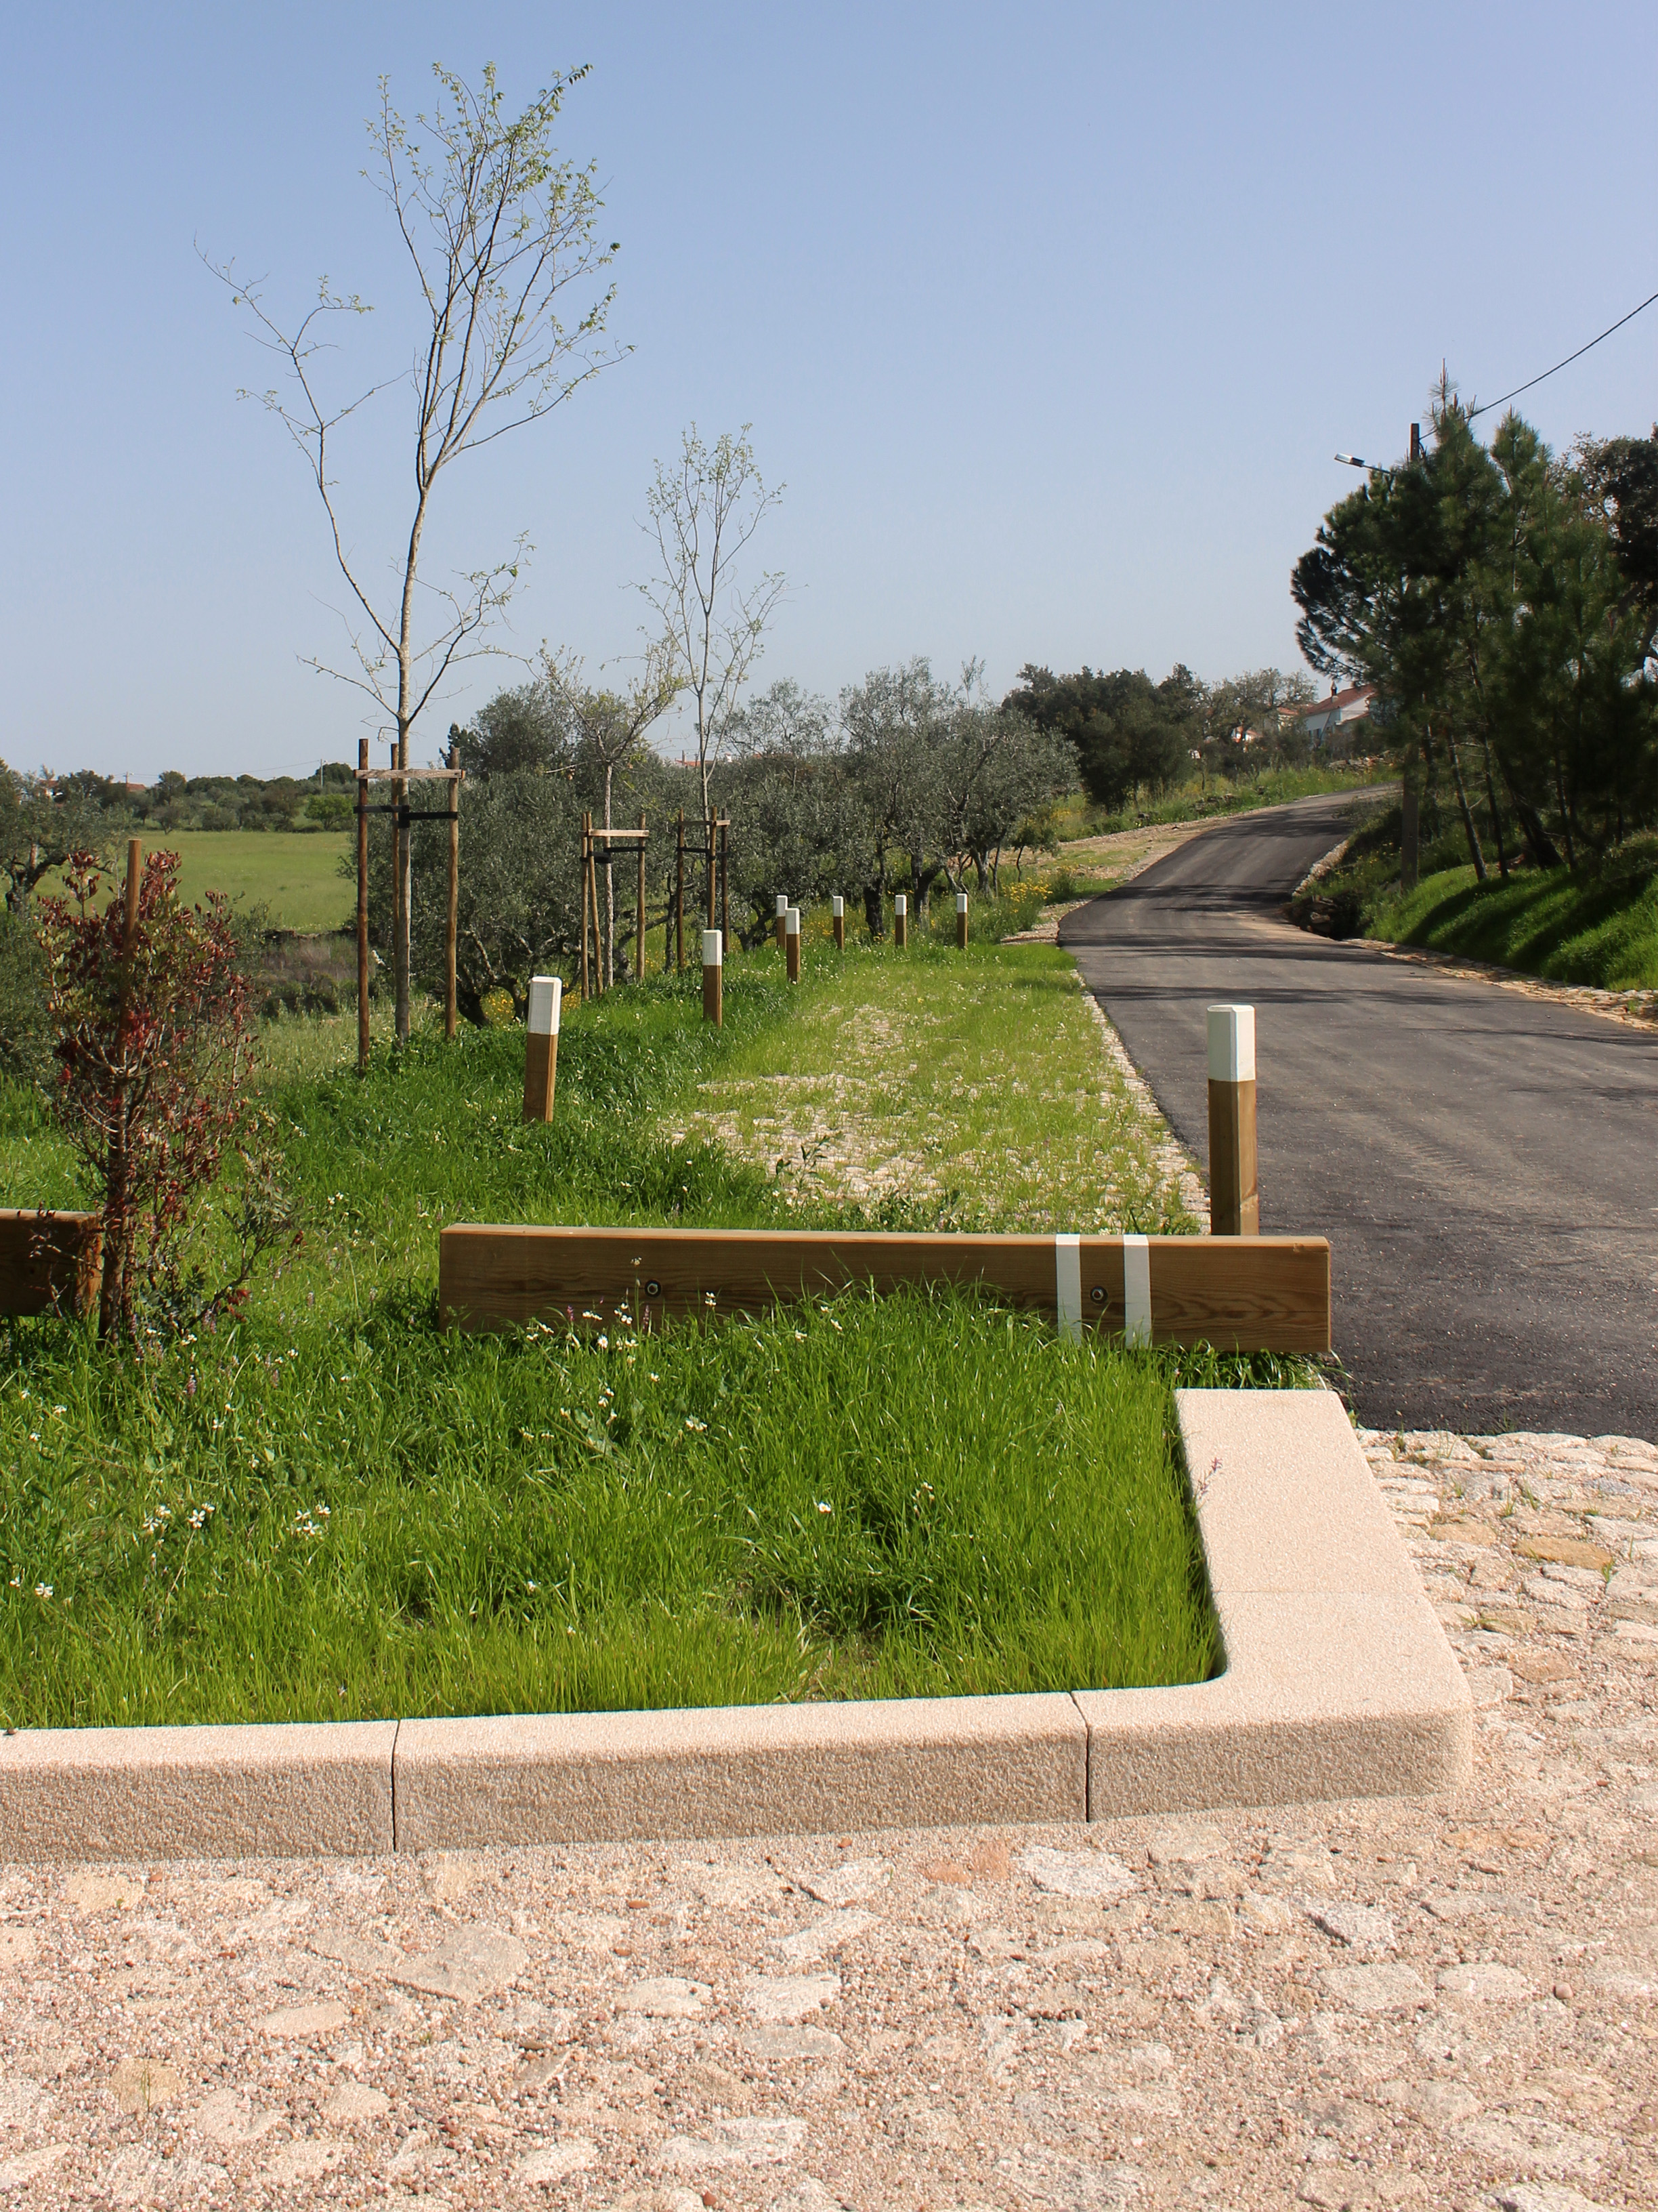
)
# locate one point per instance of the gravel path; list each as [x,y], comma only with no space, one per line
[1446,2003]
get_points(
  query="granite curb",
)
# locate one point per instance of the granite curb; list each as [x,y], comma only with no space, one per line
[1339,1682]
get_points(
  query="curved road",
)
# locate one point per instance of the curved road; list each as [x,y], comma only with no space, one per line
[1480,1161]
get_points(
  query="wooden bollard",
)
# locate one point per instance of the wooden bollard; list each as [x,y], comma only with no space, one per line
[792,942]
[961,921]
[1234,1189]
[838,916]
[782,917]
[541,1047]
[900,922]
[713,970]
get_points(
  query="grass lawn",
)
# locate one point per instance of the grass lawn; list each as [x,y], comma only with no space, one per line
[293,872]
[332,1509]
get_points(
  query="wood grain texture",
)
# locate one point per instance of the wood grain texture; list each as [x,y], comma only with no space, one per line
[1247,1294]
[49,1262]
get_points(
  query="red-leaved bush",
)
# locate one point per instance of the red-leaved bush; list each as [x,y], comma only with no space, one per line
[153,1040]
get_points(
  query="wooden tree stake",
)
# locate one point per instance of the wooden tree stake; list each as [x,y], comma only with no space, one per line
[451,924]
[363,905]
[679,902]
[541,1047]
[792,942]
[782,918]
[961,921]
[639,933]
[1234,1190]
[838,916]
[901,920]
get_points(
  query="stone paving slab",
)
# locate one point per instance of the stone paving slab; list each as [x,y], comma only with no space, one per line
[1449,2002]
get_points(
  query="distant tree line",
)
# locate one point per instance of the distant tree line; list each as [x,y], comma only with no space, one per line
[1504,600]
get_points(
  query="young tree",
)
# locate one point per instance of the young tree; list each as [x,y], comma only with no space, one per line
[152,1038]
[703,515]
[498,230]
[610,728]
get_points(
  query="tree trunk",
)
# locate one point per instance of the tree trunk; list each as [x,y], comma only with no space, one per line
[1496,811]
[1468,829]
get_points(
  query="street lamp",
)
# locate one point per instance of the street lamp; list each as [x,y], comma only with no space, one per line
[1353,460]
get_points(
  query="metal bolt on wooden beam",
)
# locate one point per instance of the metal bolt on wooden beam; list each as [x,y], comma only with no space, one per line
[541,1047]
[1233,1188]
[713,969]
[792,942]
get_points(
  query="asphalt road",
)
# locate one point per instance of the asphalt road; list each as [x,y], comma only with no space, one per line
[1480,1161]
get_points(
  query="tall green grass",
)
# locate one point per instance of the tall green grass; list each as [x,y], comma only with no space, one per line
[332,1508]
[864,1497]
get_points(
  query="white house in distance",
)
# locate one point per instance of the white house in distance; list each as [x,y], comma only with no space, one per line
[1327,722]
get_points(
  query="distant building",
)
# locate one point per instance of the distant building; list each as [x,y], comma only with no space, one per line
[1326,721]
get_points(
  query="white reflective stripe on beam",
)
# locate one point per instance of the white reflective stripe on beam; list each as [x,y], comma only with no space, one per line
[1068,1285]
[713,948]
[1137,1290]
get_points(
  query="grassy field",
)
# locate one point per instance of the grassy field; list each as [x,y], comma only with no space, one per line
[973,1084]
[1213,796]
[294,873]
[1572,927]
[333,1509]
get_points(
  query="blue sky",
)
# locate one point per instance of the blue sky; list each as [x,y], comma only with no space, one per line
[1050,318]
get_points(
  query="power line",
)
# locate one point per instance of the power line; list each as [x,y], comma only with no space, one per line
[1566,363]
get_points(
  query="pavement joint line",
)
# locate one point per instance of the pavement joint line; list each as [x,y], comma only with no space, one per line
[1339,1682]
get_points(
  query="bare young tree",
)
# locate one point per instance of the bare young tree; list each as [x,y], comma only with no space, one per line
[497,228]
[703,513]
[611,724]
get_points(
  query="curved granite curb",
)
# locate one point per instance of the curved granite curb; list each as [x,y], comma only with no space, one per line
[1338,1683]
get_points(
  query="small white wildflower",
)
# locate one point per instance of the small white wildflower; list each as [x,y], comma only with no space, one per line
[697,1427]
[656,1378]
[43,1589]
[17,1582]
[800,1336]
[60,1409]
[823,1506]
[35,1436]
[604,1343]
[530,1586]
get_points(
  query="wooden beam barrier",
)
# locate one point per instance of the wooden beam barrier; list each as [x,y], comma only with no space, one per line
[49,1262]
[1246,1294]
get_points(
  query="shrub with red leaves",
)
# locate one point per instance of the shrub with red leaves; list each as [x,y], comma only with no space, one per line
[153,1040]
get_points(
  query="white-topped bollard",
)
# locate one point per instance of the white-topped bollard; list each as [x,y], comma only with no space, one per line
[900,922]
[792,942]
[782,916]
[541,1047]
[838,916]
[1234,1187]
[713,971]
[961,921]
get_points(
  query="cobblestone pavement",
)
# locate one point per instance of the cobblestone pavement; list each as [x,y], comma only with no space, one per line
[1441,2004]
